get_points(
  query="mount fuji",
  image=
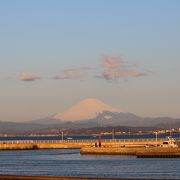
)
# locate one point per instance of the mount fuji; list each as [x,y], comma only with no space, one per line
[91,112]
[86,109]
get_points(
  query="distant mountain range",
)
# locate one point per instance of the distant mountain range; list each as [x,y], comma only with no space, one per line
[86,114]
[93,112]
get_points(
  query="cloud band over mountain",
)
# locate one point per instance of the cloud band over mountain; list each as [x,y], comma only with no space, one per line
[111,69]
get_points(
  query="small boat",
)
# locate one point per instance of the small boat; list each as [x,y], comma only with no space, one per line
[69,138]
[170,142]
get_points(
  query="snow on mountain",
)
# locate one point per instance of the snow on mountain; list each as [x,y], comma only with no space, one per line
[85,109]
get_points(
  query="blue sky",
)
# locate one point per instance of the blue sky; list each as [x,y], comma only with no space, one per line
[41,40]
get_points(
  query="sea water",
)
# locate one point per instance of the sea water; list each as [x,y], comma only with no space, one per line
[71,163]
[124,136]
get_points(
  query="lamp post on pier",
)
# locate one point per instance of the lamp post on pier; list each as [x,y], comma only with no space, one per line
[112,134]
[62,136]
[156,137]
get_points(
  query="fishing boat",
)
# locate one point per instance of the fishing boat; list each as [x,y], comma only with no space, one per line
[170,142]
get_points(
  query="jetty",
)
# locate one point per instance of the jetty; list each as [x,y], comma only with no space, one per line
[75,144]
[159,154]
[140,152]
[141,148]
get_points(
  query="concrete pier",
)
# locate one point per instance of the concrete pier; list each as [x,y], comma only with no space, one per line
[74,144]
[134,151]
[158,155]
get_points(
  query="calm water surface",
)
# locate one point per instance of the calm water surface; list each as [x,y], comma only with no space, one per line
[71,163]
[125,136]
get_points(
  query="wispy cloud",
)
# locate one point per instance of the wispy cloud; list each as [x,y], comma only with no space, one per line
[114,68]
[111,68]
[26,77]
[111,62]
[74,73]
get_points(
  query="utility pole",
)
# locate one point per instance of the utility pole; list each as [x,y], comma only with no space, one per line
[156,138]
[112,134]
[170,132]
[62,134]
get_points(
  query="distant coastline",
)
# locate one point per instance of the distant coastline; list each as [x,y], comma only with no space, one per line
[84,137]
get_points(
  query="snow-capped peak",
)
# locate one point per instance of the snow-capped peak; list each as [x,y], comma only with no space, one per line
[85,109]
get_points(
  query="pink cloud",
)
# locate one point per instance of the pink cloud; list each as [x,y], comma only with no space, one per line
[26,77]
[74,73]
[111,62]
[136,73]
[114,68]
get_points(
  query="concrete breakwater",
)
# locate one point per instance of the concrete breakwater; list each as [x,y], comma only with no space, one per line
[74,144]
[130,151]
[43,145]
[157,154]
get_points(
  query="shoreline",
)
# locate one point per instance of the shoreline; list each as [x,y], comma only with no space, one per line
[19,177]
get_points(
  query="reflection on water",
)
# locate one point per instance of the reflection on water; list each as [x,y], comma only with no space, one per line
[71,163]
